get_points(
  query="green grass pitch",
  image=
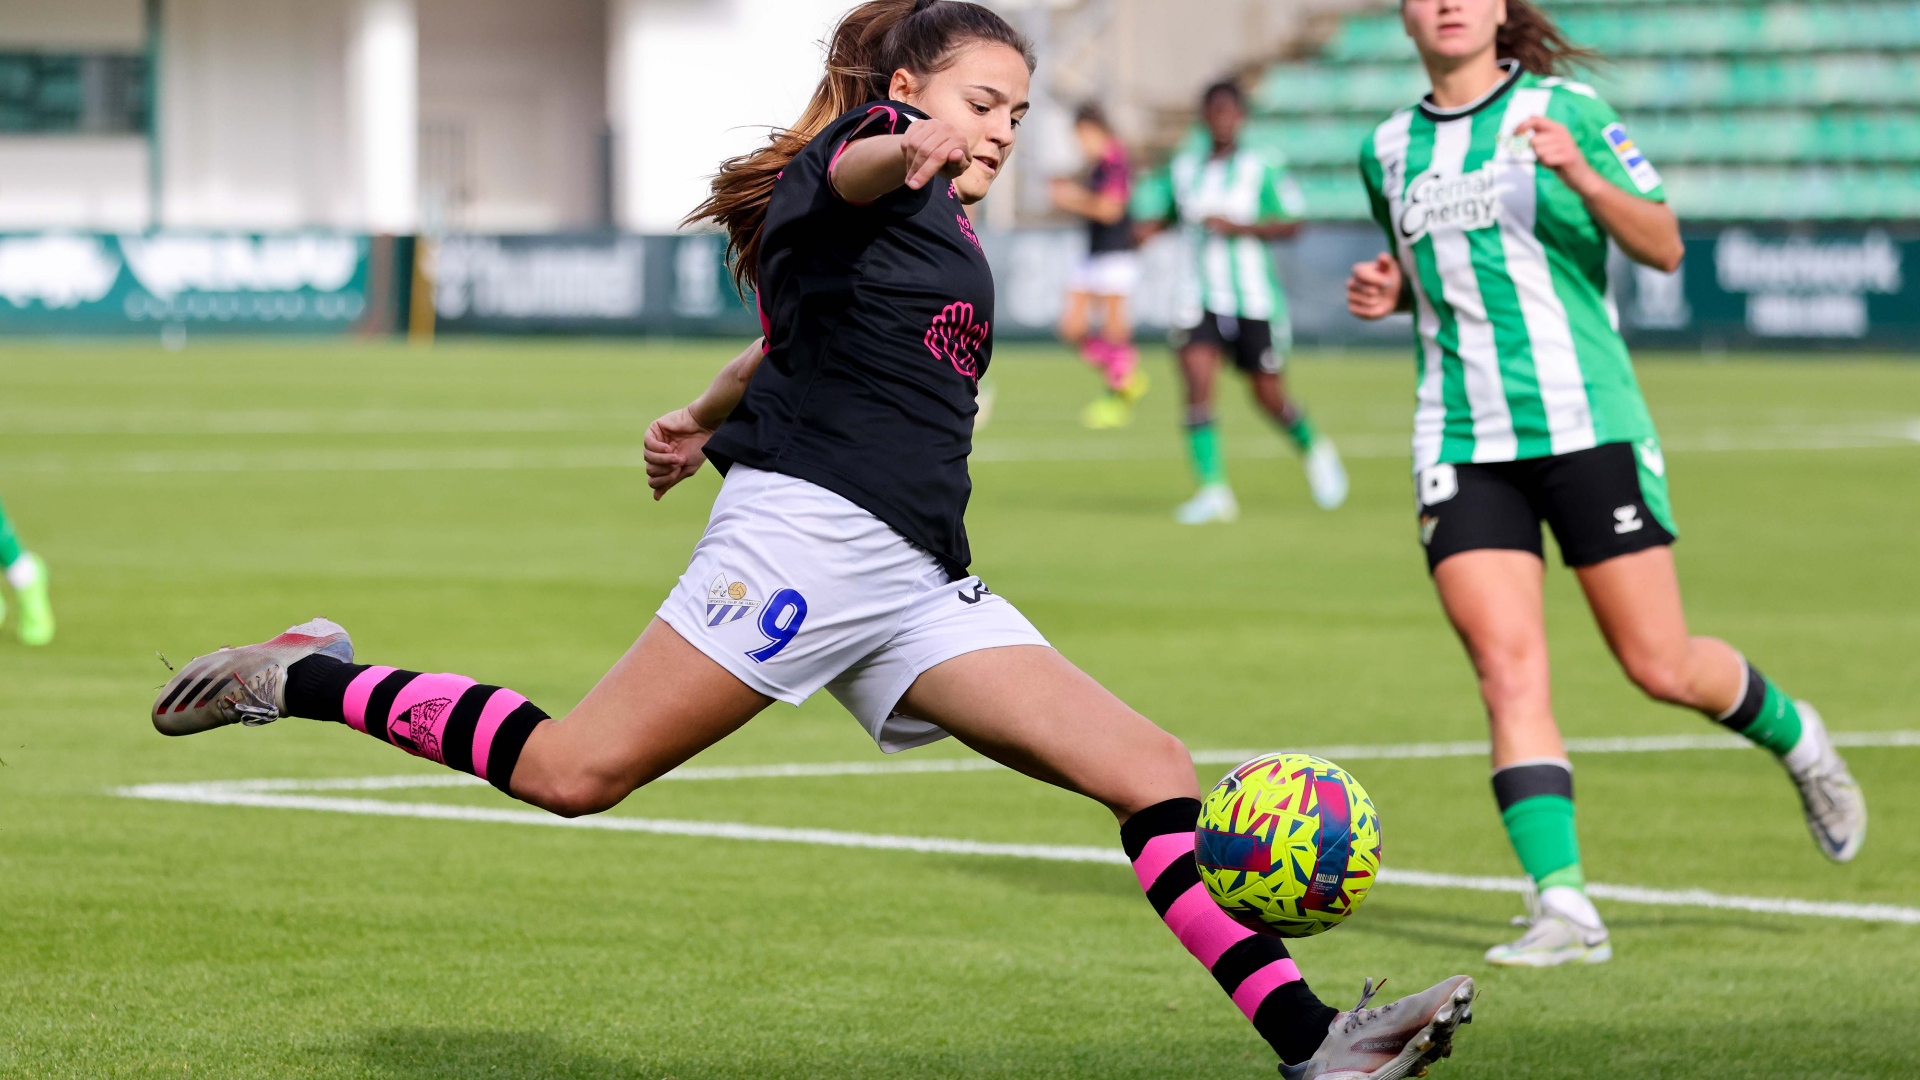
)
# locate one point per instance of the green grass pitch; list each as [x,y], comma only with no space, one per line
[467,509]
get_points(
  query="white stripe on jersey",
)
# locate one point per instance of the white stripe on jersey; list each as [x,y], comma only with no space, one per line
[1563,389]
[1390,142]
[1493,437]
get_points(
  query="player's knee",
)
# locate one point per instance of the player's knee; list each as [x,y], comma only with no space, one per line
[1661,678]
[1509,667]
[576,795]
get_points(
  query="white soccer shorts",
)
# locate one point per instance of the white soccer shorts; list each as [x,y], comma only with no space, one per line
[1112,273]
[794,588]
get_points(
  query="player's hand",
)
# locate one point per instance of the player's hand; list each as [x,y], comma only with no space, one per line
[1555,147]
[674,448]
[1373,292]
[934,148]
[1220,226]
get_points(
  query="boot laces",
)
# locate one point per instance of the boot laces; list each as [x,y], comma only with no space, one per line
[1360,1015]
[251,701]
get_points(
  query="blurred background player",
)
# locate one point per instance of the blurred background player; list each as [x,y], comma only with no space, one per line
[1529,411]
[28,576]
[1102,284]
[1234,202]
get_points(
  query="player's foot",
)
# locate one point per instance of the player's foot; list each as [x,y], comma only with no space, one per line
[28,575]
[1562,928]
[1107,412]
[1392,1041]
[1134,388]
[1213,502]
[1326,476]
[246,685]
[1836,811]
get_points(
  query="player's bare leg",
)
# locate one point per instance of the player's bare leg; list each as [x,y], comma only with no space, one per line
[1031,710]
[1326,474]
[1494,600]
[1636,600]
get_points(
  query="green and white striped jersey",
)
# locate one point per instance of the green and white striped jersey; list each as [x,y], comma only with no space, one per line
[1519,345]
[1230,275]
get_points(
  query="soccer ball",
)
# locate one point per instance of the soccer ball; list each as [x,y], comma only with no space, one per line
[1288,844]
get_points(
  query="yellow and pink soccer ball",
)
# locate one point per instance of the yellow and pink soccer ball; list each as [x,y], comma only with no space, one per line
[1288,845]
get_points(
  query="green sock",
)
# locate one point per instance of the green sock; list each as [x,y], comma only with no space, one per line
[1536,804]
[1301,430]
[1764,715]
[1543,835]
[9,543]
[1203,446]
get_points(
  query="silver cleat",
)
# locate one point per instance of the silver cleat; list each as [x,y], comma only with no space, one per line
[1836,810]
[1562,928]
[246,685]
[1392,1041]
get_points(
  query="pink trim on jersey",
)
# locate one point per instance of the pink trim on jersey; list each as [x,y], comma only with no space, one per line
[1202,927]
[354,705]
[1160,853]
[1254,990]
[502,703]
[766,324]
[1119,178]
[893,118]
[420,713]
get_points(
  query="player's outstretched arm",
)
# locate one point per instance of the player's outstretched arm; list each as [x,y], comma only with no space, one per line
[675,444]
[1647,231]
[870,168]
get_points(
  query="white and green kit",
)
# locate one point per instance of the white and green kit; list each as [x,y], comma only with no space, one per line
[1520,352]
[1231,275]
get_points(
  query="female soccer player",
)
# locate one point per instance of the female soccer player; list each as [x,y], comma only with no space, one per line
[1102,285]
[1234,201]
[28,575]
[1498,193]
[836,555]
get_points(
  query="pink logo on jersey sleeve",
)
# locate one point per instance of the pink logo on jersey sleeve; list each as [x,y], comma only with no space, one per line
[957,339]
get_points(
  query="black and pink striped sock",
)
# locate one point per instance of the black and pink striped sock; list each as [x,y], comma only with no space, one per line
[1253,969]
[445,718]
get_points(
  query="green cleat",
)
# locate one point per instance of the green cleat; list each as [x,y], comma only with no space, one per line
[29,578]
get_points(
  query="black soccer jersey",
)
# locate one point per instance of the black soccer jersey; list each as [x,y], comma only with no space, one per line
[879,326]
[1111,176]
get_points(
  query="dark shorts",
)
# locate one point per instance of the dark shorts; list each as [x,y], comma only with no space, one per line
[1247,342]
[1601,503]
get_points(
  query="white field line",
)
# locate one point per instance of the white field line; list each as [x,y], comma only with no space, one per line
[493,458]
[1629,894]
[1381,752]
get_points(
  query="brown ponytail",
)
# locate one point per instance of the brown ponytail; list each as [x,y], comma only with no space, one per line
[1533,38]
[872,42]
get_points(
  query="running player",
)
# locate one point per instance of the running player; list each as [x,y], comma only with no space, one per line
[28,576]
[836,555]
[1102,285]
[1234,201]
[1499,193]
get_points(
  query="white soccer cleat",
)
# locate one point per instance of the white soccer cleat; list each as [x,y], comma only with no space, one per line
[1392,1041]
[1562,928]
[1836,810]
[246,685]
[1326,476]
[1213,502]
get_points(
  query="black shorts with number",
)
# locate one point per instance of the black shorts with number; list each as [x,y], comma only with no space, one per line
[1601,503]
[1247,342]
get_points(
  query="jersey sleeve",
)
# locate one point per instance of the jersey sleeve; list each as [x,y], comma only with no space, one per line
[1603,138]
[1281,199]
[1373,177]
[1153,198]
[866,122]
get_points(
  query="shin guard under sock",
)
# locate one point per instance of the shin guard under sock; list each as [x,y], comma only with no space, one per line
[1253,969]
[1536,805]
[1763,714]
[448,719]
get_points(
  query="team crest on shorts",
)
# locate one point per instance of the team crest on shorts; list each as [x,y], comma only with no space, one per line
[727,601]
